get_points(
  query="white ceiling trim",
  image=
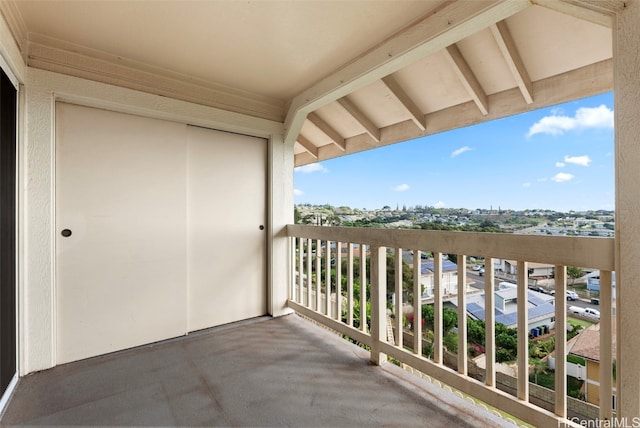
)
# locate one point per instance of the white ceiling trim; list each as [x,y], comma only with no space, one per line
[447,25]
[115,71]
[599,12]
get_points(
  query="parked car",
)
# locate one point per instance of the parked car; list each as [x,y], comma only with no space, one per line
[571,295]
[481,271]
[476,267]
[585,312]
[538,289]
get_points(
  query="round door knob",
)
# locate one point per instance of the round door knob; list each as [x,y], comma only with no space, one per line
[261,227]
[66,233]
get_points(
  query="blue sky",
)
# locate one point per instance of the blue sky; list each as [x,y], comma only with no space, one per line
[558,158]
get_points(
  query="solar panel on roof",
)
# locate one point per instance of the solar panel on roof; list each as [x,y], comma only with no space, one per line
[538,311]
[429,266]
[507,319]
[535,298]
[476,310]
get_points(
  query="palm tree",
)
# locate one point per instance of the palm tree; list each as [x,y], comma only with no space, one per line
[539,367]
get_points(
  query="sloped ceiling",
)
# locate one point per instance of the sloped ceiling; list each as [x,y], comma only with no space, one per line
[343,76]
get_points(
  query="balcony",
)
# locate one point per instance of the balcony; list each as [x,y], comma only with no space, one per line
[315,249]
[264,372]
[288,371]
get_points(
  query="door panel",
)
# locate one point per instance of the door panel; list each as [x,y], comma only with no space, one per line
[121,191]
[226,246]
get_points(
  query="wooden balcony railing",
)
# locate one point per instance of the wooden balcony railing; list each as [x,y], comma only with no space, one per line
[319,291]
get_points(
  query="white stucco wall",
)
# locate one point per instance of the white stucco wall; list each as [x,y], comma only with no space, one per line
[42,89]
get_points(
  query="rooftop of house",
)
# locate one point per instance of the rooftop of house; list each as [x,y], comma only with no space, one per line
[540,306]
[587,343]
[427,267]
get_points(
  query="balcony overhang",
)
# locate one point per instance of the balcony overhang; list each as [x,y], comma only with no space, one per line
[342,76]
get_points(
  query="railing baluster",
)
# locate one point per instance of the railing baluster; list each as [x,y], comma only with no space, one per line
[462,314]
[363,287]
[293,260]
[489,323]
[561,341]
[417,304]
[309,273]
[318,273]
[523,331]
[327,287]
[338,280]
[350,285]
[437,308]
[588,252]
[378,302]
[398,290]
[300,270]
[606,336]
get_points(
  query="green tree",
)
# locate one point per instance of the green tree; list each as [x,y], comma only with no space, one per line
[475,331]
[450,342]
[574,272]
[407,274]
[296,215]
[538,367]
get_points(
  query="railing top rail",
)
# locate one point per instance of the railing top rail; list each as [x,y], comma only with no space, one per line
[597,253]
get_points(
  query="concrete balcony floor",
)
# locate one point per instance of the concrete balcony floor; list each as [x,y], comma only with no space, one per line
[264,372]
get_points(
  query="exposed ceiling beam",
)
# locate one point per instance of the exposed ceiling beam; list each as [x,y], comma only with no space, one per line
[414,111]
[308,146]
[448,24]
[579,83]
[514,61]
[467,78]
[335,137]
[599,12]
[303,158]
[359,116]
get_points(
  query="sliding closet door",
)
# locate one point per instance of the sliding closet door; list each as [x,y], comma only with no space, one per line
[226,227]
[120,231]
[160,230]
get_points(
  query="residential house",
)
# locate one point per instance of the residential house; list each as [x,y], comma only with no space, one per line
[535,270]
[587,346]
[448,278]
[148,153]
[593,282]
[540,308]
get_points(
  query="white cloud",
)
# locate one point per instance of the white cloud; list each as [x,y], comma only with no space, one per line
[560,164]
[401,187]
[562,177]
[297,192]
[439,204]
[312,167]
[527,184]
[460,151]
[585,118]
[578,160]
